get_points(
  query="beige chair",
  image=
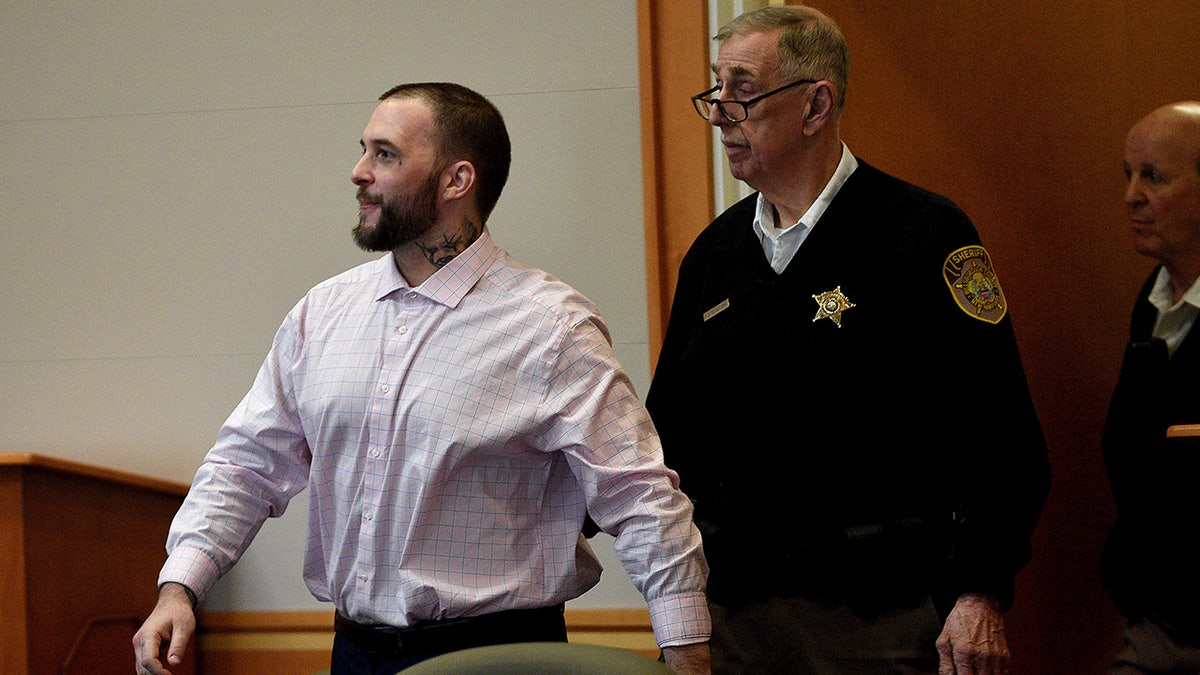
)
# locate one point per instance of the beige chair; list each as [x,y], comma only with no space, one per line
[540,658]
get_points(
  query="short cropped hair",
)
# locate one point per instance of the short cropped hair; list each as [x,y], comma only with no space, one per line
[469,127]
[811,47]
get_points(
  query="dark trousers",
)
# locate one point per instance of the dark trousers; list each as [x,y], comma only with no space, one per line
[383,650]
[1151,649]
[351,658]
[794,636]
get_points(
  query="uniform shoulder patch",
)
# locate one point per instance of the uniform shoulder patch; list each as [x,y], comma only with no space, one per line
[973,284]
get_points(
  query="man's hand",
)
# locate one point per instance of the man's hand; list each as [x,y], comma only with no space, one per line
[688,659]
[972,641]
[171,624]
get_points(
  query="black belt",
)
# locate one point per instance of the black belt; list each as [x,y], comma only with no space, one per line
[544,624]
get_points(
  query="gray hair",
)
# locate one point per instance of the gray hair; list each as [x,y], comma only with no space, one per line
[811,46]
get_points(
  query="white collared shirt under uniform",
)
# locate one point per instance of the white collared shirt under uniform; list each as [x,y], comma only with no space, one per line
[780,244]
[1175,319]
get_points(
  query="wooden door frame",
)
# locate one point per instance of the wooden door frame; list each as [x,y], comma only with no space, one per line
[677,168]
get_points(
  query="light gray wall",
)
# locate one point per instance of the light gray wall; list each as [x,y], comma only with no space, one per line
[175,175]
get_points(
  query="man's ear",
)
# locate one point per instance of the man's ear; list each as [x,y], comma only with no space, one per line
[822,106]
[458,180]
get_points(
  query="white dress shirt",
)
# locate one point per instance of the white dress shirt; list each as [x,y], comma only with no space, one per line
[1175,319]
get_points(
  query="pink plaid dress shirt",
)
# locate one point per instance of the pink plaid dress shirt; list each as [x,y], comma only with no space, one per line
[452,436]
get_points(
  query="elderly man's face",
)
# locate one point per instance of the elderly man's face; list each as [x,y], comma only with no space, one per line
[1163,190]
[761,148]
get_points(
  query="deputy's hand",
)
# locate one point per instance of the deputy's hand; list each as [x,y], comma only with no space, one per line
[170,625]
[688,659]
[972,641]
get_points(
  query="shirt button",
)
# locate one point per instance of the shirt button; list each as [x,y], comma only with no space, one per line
[384,388]
[402,329]
[362,576]
[374,452]
[368,516]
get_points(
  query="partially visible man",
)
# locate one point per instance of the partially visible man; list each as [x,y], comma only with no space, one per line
[456,415]
[1149,563]
[841,392]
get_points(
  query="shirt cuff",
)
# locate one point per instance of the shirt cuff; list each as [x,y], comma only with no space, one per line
[192,568]
[680,619]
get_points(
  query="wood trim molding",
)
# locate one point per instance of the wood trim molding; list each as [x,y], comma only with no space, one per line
[305,621]
[289,642]
[298,621]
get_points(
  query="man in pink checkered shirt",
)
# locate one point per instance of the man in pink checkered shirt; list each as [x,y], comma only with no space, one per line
[456,415]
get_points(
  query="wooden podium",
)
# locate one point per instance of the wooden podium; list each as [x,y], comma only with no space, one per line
[80,551]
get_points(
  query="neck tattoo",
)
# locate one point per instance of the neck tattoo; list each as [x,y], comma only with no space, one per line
[442,252]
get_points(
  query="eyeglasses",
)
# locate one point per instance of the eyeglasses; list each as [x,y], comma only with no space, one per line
[734,111]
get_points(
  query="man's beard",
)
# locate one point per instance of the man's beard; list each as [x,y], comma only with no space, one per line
[401,219]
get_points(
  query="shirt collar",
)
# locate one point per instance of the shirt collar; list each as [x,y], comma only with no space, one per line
[451,283]
[1161,295]
[764,216]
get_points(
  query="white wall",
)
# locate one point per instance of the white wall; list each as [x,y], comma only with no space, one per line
[174,176]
